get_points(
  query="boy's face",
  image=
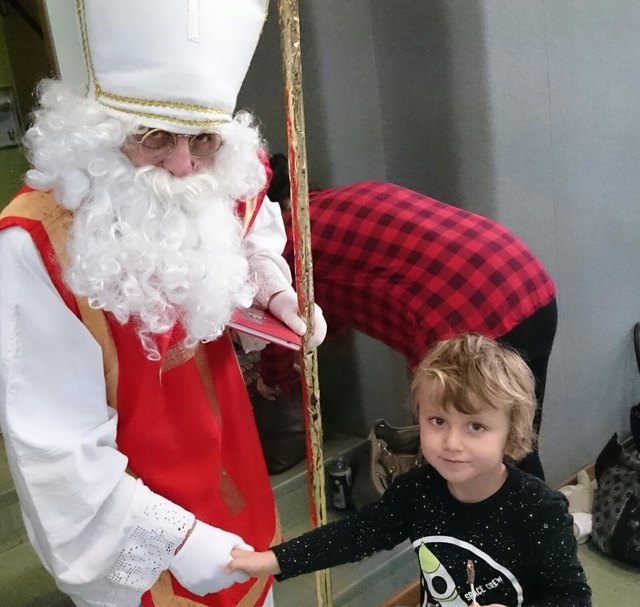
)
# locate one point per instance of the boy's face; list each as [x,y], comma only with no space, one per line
[466,449]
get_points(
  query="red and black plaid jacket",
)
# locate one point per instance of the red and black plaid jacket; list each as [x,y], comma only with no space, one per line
[409,270]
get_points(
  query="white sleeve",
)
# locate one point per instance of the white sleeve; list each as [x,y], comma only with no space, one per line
[264,244]
[104,536]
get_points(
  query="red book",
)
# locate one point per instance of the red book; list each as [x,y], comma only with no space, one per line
[263,324]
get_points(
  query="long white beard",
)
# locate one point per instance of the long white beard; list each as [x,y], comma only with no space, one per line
[159,249]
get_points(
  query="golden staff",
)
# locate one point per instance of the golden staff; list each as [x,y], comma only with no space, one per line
[297,152]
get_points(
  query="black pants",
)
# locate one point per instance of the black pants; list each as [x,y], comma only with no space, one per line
[533,339]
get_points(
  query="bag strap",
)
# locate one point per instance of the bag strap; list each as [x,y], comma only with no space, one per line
[636,343]
[608,456]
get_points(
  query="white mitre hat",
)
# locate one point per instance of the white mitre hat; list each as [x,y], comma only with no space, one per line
[172,64]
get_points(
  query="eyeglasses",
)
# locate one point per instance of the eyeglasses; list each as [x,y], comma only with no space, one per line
[157,144]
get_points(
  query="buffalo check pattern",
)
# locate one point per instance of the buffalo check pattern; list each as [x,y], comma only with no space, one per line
[410,270]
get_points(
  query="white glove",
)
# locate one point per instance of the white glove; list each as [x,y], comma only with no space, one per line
[284,306]
[200,562]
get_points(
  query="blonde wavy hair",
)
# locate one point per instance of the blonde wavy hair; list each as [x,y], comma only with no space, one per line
[471,372]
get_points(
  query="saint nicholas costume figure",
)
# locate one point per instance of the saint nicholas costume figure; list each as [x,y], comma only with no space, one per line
[143,226]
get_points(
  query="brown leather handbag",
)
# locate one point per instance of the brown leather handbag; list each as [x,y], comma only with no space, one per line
[391,451]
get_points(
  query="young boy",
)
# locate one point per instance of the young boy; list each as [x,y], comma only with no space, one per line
[475,402]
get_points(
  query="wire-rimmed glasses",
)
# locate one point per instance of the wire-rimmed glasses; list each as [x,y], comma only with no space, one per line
[157,144]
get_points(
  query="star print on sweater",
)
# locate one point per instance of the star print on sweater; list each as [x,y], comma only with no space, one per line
[520,540]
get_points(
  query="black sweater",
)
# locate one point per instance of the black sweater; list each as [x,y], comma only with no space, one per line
[520,540]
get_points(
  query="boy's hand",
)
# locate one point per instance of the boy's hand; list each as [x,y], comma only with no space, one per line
[474,604]
[253,564]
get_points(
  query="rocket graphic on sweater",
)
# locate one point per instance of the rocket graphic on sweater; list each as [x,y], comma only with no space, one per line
[441,586]
[443,562]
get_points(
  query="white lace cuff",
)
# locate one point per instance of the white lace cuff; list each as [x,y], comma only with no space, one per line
[157,528]
[150,547]
[250,343]
[269,281]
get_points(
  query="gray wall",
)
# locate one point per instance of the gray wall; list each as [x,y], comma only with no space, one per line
[523,110]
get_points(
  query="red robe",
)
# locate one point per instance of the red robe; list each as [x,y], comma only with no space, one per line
[185,422]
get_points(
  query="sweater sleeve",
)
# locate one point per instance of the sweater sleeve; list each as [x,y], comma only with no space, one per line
[557,578]
[103,535]
[380,526]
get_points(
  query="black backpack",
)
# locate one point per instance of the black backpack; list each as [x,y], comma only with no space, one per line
[616,505]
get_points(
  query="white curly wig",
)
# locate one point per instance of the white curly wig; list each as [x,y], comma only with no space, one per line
[146,245]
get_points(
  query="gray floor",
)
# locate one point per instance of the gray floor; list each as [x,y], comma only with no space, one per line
[613,584]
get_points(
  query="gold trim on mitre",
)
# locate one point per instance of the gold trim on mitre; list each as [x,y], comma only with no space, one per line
[202,124]
[134,106]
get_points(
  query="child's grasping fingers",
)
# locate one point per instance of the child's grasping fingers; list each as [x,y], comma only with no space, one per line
[253,564]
